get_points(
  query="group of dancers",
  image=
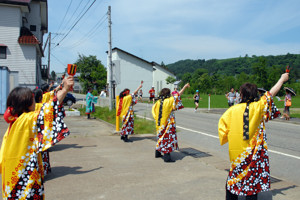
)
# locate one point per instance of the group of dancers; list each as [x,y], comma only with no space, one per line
[242,126]
[34,128]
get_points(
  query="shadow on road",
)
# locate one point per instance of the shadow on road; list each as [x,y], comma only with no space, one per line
[57,172]
[134,138]
[279,191]
[61,147]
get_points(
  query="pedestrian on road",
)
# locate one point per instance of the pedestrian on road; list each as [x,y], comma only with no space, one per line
[141,95]
[231,97]
[243,127]
[196,100]
[163,113]
[90,103]
[288,102]
[125,111]
[29,133]
[152,95]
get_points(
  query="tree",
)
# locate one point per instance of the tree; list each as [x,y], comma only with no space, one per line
[170,80]
[92,73]
[53,75]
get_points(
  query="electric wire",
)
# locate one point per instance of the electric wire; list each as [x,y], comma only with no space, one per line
[76,23]
[63,18]
[90,32]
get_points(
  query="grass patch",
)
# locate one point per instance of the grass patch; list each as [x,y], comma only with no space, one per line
[141,125]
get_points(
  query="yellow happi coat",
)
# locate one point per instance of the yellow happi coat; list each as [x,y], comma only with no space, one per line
[127,114]
[166,130]
[20,155]
[249,170]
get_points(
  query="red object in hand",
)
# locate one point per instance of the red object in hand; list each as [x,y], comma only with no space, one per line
[287,70]
[72,69]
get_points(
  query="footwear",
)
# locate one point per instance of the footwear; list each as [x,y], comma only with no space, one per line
[122,137]
[167,158]
[158,154]
[126,139]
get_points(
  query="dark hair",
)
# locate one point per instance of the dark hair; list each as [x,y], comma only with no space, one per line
[45,87]
[123,93]
[38,95]
[20,99]
[248,93]
[164,94]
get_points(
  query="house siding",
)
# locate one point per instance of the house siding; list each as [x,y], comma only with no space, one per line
[131,72]
[20,58]
[159,79]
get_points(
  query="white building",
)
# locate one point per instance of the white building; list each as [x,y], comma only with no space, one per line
[129,70]
[22,26]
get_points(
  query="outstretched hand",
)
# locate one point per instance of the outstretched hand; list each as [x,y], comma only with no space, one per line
[68,83]
[285,77]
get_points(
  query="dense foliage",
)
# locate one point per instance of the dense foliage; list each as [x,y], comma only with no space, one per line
[218,76]
[92,73]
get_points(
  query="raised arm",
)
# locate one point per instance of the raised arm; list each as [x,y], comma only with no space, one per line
[275,89]
[136,91]
[184,87]
[68,82]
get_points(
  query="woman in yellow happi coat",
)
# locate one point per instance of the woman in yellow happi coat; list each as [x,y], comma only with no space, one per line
[40,99]
[30,132]
[163,113]
[243,127]
[125,111]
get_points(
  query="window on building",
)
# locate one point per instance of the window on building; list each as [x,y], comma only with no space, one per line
[2,52]
[32,27]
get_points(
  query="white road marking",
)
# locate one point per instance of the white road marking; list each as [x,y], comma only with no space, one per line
[216,137]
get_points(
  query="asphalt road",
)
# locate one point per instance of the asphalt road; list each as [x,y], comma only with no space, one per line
[199,130]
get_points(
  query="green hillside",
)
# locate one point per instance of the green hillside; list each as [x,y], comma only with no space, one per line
[219,75]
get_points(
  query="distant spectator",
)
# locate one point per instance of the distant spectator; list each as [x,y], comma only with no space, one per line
[103,93]
[175,92]
[90,100]
[230,97]
[237,97]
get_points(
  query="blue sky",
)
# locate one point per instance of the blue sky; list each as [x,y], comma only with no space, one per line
[172,30]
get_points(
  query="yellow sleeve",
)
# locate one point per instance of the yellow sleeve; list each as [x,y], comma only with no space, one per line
[48,96]
[223,128]
[154,109]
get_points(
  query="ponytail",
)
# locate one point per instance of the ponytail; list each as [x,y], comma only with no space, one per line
[164,94]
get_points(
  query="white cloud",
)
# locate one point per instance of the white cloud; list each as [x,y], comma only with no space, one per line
[171,30]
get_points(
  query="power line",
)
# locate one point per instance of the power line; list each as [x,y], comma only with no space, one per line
[76,23]
[64,16]
[58,59]
[91,32]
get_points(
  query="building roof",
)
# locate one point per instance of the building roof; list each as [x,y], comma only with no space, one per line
[27,37]
[162,67]
[16,2]
[131,55]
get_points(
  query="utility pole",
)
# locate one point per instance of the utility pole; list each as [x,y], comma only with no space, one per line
[49,47]
[110,77]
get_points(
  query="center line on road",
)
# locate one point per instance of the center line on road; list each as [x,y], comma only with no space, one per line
[213,136]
